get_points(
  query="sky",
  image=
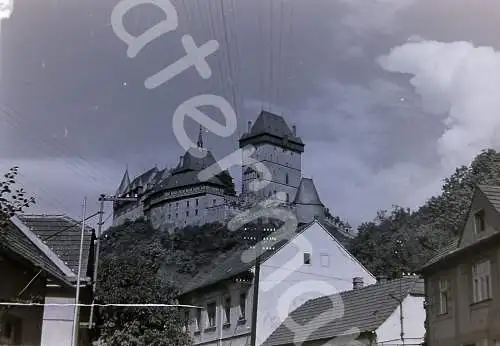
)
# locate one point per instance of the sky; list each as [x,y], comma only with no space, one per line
[389,96]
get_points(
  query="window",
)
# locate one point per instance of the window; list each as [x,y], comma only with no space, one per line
[187,204]
[10,331]
[196,212]
[187,213]
[307,258]
[177,205]
[186,320]
[481,282]
[176,215]
[479,224]
[287,197]
[198,319]
[169,216]
[197,202]
[286,179]
[243,307]
[325,260]
[227,310]
[443,297]
[213,202]
[211,312]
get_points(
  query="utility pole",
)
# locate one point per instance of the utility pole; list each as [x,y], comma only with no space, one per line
[76,322]
[255,298]
[102,198]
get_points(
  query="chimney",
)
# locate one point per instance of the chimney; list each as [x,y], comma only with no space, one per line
[357,283]
[249,125]
[381,279]
[294,130]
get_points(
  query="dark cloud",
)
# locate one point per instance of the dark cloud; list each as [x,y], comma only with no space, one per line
[77,112]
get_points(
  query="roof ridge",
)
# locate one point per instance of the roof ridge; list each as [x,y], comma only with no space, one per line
[43,247]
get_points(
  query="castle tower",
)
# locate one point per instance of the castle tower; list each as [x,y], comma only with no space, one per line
[307,204]
[279,149]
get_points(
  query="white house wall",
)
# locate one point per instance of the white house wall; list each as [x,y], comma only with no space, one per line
[286,282]
[413,323]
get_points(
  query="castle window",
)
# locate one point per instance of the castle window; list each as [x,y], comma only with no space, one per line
[176,215]
[307,258]
[187,204]
[287,197]
[197,202]
[169,216]
[187,213]
[196,212]
[214,201]
[177,205]
[286,178]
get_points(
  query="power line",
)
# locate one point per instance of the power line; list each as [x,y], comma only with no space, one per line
[103,305]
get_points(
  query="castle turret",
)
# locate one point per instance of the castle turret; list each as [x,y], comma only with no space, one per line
[307,204]
[124,185]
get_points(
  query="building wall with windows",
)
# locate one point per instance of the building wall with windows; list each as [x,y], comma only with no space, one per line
[310,265]
[226,315]
[463,287]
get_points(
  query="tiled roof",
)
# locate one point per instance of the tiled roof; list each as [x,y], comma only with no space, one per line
[271,124]
[442,253]
[144,178]
[328,317]
[186,179]
[14,241]
[492,193]
[62,235]
[234,265]
[192,163]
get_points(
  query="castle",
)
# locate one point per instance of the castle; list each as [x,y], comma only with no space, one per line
[175,198]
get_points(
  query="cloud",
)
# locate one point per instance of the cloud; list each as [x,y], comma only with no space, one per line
[366,16]
[458,83]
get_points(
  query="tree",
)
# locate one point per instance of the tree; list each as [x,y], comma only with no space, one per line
[13,199]
[422,232]
[130,274]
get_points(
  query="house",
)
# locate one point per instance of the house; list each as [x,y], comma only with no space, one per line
[370,315]
[29,268]
[313,263]
[61,235]
[462,280]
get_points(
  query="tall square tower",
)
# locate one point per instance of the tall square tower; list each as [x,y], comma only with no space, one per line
[277,147]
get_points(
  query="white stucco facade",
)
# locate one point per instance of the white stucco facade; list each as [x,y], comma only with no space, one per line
[285,283]
[389,333]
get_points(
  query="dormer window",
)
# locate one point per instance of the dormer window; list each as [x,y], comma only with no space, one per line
[479,223]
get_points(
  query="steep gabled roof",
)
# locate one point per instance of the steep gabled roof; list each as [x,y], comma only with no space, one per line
[234,265]
[124,185]
[23,245]
[492,193]
[327,317]
[62,235]
[144,178]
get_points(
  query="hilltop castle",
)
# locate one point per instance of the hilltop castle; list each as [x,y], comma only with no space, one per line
[174,198]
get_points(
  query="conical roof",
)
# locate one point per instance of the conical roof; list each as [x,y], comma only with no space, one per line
[307,193]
